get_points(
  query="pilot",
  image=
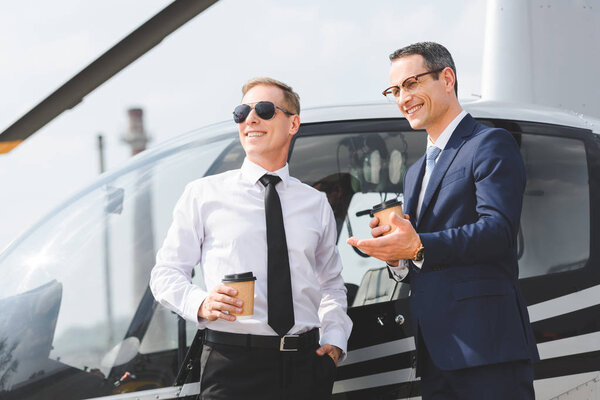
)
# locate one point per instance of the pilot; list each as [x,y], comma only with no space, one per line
[261,220]
[457,244]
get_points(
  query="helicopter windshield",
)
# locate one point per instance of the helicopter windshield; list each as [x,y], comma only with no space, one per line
[70,288]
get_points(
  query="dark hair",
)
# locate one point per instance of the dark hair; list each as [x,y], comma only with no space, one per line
[436,57]
[290,97]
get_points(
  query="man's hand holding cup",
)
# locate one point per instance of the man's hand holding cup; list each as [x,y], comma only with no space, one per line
[220,303]
[394,237]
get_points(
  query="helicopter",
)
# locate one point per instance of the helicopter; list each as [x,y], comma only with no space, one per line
[63,336]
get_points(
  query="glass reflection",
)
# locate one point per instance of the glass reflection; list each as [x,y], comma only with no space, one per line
[75,310]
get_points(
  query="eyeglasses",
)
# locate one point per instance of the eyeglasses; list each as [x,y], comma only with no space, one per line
[264,109]
[409,85]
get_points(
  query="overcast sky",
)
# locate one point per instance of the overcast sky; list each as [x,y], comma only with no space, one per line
[329,51]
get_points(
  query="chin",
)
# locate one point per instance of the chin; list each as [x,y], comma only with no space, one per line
[415,124]
[251,153]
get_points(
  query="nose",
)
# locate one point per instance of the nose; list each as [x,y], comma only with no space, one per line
[252,118]
[403,98]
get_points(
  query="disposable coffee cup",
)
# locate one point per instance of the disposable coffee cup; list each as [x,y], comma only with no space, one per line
[384,211]
[244,284]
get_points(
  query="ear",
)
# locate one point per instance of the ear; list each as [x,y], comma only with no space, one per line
[449,79]
[294,124]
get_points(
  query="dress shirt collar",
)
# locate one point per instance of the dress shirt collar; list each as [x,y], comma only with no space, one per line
[252,172]
[447,133]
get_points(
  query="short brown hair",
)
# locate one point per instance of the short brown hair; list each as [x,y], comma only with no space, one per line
[291,98]
[436,57]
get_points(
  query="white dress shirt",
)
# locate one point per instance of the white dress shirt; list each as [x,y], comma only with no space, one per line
[402,270]
[219,223]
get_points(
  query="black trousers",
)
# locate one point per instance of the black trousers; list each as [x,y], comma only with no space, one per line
[245,373]
[505,381]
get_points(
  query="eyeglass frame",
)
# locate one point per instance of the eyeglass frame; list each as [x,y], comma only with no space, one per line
[415,77]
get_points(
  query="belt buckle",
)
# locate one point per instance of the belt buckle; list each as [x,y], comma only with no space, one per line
[282,343]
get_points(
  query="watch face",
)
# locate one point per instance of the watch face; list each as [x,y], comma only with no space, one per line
[420,254]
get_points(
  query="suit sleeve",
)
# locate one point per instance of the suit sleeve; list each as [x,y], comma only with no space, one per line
[499,179]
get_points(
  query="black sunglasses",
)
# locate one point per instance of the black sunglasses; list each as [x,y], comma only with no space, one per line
[264,109]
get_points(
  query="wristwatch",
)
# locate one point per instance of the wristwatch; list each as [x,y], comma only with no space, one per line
[419,253]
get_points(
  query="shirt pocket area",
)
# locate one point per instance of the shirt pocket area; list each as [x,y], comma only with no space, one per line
[481,288]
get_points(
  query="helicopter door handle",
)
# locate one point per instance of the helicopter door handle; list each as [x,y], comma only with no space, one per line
[399,319]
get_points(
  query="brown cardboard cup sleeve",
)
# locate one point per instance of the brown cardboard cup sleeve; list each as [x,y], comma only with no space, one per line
[244,284]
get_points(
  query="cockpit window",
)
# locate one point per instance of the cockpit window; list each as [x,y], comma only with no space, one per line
[358,169]
[555,221]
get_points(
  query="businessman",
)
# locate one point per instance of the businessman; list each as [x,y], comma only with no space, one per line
[259,219]
[457,244]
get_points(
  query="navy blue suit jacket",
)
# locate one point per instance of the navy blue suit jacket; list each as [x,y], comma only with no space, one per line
[465,301]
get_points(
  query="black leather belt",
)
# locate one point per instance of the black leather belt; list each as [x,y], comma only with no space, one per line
[304,341]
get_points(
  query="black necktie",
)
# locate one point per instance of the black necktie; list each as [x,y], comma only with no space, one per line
[279,283]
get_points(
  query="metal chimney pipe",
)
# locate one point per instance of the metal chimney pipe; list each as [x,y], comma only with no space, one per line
[143,230]
[136,137]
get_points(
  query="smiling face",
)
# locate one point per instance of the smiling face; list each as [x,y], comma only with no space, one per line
[433,104]
[266,142]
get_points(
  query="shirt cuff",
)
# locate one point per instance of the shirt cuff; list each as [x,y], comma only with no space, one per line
[419,264]
[336,338]
[401,271]
[192,304]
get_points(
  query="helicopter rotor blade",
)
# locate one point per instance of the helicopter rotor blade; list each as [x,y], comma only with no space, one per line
[133,46]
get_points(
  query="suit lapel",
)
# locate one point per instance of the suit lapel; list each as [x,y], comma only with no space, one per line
[464,129]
